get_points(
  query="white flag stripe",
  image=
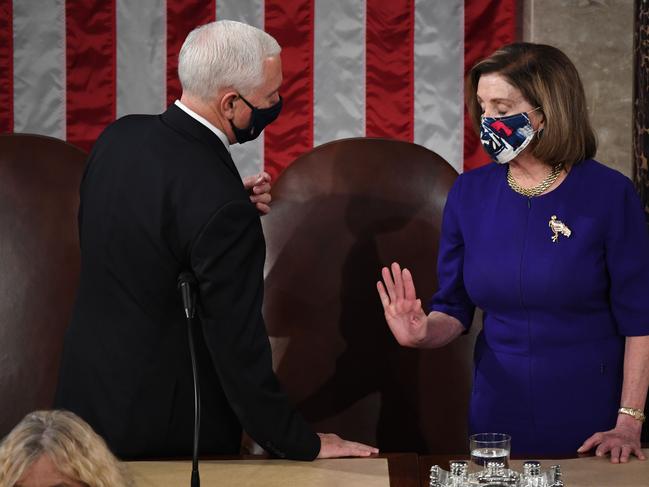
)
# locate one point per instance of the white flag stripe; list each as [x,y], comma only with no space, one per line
[439,65]
[248,157]
[247,11]
[141,56]
[339,70]
[39,67]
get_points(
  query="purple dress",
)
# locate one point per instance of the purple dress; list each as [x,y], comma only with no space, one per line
[549,359]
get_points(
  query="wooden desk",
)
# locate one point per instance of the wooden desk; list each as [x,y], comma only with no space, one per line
[402,469]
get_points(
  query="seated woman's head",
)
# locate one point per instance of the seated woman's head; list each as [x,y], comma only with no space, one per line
[58,449]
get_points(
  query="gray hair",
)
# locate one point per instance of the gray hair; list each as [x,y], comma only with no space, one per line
[224,54]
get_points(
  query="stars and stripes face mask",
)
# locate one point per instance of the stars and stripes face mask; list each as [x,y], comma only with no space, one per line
[503,138]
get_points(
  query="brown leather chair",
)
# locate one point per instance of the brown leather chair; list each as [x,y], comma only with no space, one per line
[340,213]
[39,261]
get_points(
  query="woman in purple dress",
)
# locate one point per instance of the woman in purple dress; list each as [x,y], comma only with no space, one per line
[553,247]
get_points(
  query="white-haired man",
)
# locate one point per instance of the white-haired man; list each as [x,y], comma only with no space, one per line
[161,196]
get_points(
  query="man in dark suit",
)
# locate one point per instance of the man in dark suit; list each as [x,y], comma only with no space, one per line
[160,196]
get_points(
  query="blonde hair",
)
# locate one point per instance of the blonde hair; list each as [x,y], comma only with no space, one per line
[546,78]
[72,445]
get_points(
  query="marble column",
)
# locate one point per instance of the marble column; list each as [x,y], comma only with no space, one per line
[641,102]
[597,35]
[641,120]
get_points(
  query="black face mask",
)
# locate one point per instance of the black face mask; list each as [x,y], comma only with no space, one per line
[259,118]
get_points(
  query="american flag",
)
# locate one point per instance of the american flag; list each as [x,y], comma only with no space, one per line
[375,68]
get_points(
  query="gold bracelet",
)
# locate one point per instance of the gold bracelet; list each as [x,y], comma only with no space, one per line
[633,412]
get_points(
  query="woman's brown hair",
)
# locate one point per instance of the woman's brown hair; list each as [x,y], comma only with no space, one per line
[547,79]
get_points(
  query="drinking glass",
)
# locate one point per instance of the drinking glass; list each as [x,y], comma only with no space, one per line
[490,447]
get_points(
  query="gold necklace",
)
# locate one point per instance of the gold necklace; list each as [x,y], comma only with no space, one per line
[539,188]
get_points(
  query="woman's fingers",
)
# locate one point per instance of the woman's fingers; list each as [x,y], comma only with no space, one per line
[620,445]
[408,285]
[615,454]
[591,442]
[397,293]
[389,284]
[412,306]
[385,299]
[625,453]
[398,289]
[398,281]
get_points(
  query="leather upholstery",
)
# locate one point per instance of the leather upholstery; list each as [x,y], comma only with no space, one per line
[39,265]
[340,213]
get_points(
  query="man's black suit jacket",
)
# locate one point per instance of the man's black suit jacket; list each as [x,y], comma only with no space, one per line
[161,195]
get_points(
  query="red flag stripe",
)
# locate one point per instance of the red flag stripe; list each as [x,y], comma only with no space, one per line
[498,17]
[389,61]
[6,67]
[182,18]
[90,69]
[291,23]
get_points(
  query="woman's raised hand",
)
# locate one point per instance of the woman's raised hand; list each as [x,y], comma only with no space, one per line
[403,311]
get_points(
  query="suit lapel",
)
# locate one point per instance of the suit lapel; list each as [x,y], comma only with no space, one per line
[182,122]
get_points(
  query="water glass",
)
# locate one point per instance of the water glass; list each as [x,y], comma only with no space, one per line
[490,447]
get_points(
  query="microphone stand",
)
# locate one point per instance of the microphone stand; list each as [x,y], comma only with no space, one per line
[185,281]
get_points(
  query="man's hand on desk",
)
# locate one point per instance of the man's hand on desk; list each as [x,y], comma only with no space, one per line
[258,185]
[333,446]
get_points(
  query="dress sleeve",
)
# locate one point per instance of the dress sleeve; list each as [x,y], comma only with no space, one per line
[627,260]
[451,297]
[227,259]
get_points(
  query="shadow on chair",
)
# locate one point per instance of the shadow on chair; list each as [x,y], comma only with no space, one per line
[39,261]
[340,213]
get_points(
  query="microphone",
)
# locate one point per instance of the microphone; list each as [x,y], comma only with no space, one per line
[186,281]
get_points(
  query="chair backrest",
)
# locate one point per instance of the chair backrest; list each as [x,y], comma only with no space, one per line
[340,213]
[39,262]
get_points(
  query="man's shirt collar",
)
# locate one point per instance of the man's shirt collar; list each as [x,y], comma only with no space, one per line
[219,133]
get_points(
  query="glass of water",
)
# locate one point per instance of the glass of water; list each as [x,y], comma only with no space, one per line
[490,447]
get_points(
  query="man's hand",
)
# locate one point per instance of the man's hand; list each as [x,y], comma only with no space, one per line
[258,185]
[333,446]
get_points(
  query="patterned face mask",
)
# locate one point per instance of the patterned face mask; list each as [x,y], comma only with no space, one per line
[505,137]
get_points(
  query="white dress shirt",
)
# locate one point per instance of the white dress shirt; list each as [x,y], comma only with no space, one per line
[204,121]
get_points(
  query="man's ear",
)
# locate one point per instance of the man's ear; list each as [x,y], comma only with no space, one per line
[226,104]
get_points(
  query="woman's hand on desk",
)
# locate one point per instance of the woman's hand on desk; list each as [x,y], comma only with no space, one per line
[333,446]
[622,441]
